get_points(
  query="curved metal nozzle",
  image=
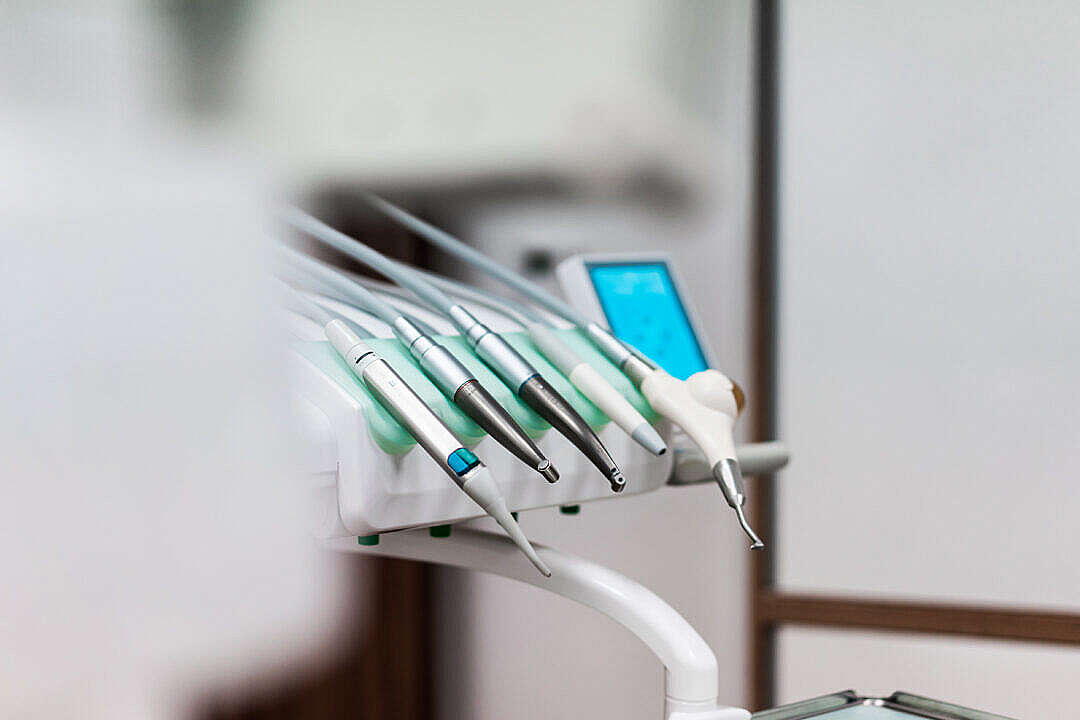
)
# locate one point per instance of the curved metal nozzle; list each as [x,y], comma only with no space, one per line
[755,543]
[551,406]
[729,477]
[479,405]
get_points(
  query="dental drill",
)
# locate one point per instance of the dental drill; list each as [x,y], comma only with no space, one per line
[582,375]
[459,463]
[705,406]
[507,363]
[448,374]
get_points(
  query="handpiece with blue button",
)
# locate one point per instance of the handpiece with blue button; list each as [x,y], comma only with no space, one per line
[459,463]
[448,374]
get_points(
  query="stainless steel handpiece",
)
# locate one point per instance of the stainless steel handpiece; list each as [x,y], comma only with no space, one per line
[478,404]
[526,381]
[464,390]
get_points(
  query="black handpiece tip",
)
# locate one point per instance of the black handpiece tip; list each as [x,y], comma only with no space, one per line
[551,406]
[548,471]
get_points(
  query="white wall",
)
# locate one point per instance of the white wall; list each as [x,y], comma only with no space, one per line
[412,88]
[929,342]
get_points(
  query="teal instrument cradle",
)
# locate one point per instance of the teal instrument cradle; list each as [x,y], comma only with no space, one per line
[391,437]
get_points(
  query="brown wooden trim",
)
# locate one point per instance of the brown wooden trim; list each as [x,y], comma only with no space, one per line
[1002,623]
[764,327]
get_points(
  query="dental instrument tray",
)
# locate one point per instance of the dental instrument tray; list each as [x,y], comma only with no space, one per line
[849,706]
[370,477]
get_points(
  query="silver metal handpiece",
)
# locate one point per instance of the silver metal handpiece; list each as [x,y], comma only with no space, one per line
[729,476]
[465,391]
[530,386]
[459,463]
[455,381]
[507,363]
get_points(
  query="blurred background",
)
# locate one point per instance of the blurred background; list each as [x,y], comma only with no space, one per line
[873,206]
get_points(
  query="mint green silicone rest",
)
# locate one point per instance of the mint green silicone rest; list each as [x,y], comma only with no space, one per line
[394,439]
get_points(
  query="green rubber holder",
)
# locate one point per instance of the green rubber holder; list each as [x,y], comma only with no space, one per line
[439,531]
[570,509]
[391,437]
[367,540]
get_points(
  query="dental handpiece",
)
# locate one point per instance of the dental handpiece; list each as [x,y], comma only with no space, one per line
[514,370]
[705,405]
[530,386]
[448,374]
[465,391]
[691,405]
[459,463]
[582,375]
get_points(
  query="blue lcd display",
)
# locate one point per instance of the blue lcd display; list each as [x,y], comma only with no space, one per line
[644,309]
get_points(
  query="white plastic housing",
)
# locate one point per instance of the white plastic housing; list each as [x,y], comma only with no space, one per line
[703,406]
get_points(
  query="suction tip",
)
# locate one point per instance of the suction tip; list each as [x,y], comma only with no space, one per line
[545,468]
[646,436]
[506,521]
[618,482]
[537,562]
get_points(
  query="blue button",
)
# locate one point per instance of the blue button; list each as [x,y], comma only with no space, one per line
[462,460]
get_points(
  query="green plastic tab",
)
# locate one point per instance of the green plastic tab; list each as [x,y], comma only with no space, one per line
[570,509]
[439,531]
[367,540]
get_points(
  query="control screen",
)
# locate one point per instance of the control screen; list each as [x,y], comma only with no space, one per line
[644,309]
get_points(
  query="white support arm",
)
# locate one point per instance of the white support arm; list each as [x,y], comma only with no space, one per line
[691,672]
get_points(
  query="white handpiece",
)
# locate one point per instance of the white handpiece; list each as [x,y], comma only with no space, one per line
[401,401]
[705,407]
[593,386]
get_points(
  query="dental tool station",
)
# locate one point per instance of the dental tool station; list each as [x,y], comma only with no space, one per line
[428,403]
